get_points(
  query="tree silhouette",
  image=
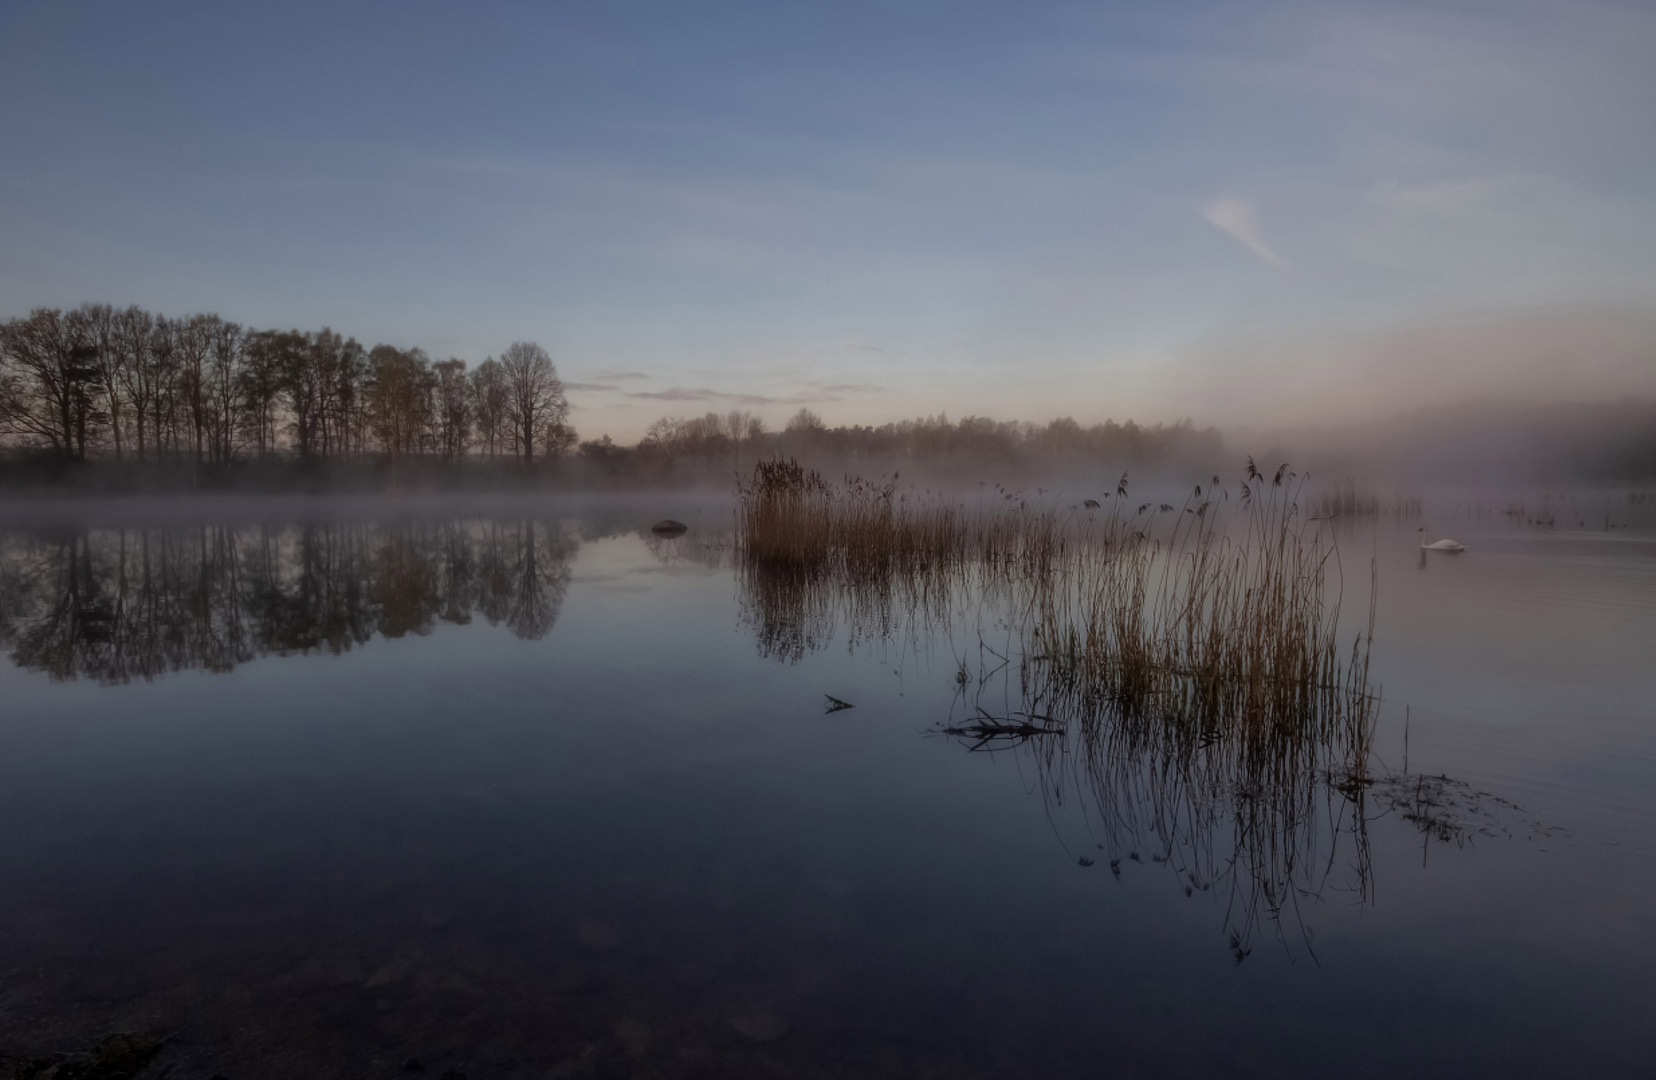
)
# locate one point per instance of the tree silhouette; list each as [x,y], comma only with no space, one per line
[535,404]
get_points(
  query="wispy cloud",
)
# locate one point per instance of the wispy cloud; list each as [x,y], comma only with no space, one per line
[1236,216]
[605,381]
[679,393]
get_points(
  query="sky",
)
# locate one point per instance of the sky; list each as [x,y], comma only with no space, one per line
[1230,212]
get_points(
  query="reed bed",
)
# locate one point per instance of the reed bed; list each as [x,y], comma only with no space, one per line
[1202,625]
[1178,669]
[789,516]
[1350,501]
[1173,615]
[1215,718]
[1179,677]
[886,561]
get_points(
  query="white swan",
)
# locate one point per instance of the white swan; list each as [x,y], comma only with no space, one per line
[1440,545]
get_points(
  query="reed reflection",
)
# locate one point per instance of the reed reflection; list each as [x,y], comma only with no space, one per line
[810,555]
[1178,680]
[1267,821]
[121,604]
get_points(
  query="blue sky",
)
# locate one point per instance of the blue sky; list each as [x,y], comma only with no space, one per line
[1251,213]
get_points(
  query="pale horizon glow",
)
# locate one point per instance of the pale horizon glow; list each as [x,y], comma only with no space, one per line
[1271,213]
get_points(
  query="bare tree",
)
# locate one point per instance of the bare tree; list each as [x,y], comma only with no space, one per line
[743,429]
[163,374]
[347,412]
[304,384]
[337,368]
[453,408]
[195,347]
[102,334]
[488,401]
[133,330]
[535,402]
[48,385]
[805,421]
[259,385]
[399,398]
[221,392]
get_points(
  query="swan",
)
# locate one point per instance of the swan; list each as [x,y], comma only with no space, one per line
[1440,545]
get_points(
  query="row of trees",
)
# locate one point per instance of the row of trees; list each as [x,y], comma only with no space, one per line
[129,384]
[980,439]
[712,436]
[970,443]
[126,384]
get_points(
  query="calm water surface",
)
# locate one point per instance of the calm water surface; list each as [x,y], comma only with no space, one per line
[531,793]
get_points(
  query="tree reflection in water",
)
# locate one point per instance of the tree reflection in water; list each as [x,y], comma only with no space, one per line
[121,604]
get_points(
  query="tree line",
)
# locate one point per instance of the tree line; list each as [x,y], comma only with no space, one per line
[131,385]
[972,443]
[126,385]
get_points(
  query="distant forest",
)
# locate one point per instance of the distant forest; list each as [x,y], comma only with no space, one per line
[104,398]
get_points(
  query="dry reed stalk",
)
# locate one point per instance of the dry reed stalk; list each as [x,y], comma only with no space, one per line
[1216,628]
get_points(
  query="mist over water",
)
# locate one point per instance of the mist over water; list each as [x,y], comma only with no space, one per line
[535,787]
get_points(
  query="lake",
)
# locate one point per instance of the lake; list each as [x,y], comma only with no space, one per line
[516,788]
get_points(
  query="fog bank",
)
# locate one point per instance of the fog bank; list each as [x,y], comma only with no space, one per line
[1482,442]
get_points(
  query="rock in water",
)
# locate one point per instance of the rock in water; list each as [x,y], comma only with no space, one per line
[669,527]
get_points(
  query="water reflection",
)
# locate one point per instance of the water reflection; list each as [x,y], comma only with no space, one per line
[792,615]
[1269,819]
[121,604]
[661,857]
[1166,722]
[1269,822]
[794,611]
[1266,808]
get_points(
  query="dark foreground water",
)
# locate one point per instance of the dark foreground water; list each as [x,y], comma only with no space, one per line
[528,792]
